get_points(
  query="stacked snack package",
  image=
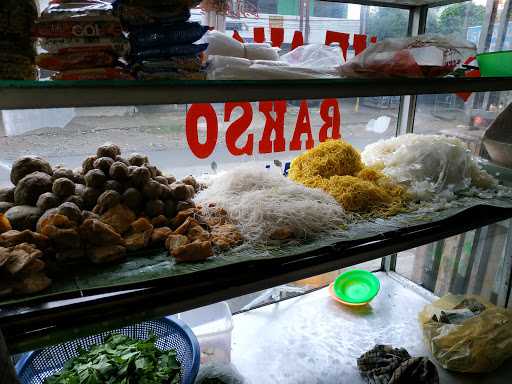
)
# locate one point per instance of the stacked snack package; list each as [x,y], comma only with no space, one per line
[17,51]
[163,41]
[83,40]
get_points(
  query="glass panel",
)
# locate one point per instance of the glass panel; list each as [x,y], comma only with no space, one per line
[475,262]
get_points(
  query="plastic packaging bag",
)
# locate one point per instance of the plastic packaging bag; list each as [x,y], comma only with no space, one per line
[418,56]
[219,373]
[133,16]
[467,334]
[163,35]
[118,45]
[94,74]
[221,44]
[169,51]
[303,64]
[77,28]
[80,60]
[91,9]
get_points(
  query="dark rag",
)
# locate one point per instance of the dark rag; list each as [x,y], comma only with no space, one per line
[387,365]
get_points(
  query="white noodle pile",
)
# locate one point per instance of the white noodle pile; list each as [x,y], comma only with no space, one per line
[262,201]
[433,167]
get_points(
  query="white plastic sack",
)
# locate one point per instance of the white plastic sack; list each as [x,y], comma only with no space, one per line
[221,44]
[306,62]
[314,56]
[418,56]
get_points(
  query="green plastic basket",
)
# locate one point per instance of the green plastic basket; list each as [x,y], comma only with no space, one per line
[495,64]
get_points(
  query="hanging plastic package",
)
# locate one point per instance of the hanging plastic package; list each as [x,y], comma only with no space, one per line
[417,57]
[180,33]
[467,333]
[169,51]
[79,9]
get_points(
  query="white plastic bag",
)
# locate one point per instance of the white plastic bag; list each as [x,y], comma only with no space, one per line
[314,56]
[418,56]
[221,44]
[306,62]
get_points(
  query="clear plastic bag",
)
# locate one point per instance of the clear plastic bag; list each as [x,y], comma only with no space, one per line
[220,44]
[417,57]
[309,62]
[467,333]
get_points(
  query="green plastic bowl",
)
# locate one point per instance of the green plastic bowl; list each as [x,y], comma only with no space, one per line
[356,287]
[495,64]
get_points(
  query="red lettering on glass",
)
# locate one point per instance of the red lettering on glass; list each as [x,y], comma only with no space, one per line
[238,127]
[237,37]
[273,125]
[298,39]
[196,112]
[332,121]
[359,43]
[277,36]
[259,34]
[302,126]
[338,37]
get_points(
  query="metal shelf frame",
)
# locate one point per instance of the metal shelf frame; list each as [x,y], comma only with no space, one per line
[24,328]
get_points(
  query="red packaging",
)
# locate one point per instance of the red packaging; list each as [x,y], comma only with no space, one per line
[75,61]
[77,28]
[94,74]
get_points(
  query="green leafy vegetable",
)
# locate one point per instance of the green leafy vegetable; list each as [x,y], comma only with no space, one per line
[121,360]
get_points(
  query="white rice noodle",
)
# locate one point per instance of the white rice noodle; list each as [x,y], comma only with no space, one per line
[262,201]
[431,166]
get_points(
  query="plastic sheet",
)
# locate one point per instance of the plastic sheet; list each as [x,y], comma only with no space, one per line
[462,337]
[418,56]
[180,33]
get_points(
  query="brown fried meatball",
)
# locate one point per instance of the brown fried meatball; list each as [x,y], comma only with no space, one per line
[103,163]
[119,171]
[27,165]
[109,150]
[95,178]
[63,187]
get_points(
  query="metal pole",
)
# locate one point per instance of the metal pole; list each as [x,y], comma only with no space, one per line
[7,372]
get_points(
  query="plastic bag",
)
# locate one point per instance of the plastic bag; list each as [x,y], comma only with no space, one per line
[80,60]
[64,10]
[221,44]
[222,373]
[314,56]
[190,64]
[118,45]
[133,16]
[303,64]
[418,56]
[463,336]
[163,35]
[94,74]
[169,51]
[77,28]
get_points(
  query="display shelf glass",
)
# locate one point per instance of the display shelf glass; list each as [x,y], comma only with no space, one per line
[61,94]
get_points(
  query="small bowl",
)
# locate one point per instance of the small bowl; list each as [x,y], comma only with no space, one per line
[355,287]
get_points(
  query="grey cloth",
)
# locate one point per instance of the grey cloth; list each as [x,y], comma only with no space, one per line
[384,364]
